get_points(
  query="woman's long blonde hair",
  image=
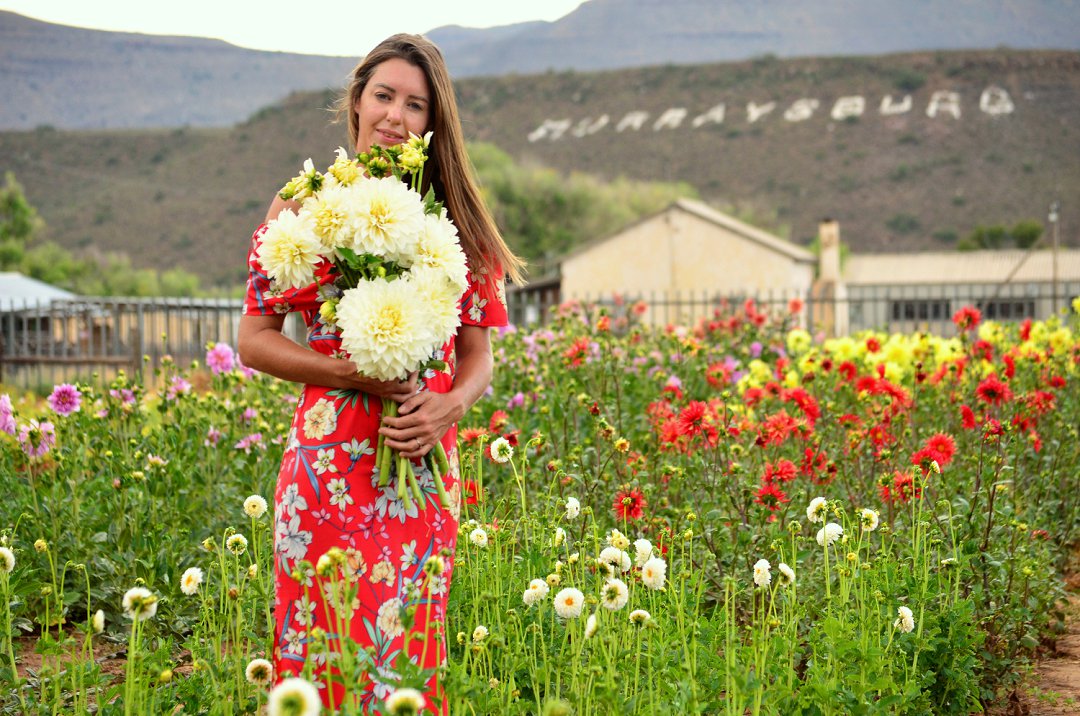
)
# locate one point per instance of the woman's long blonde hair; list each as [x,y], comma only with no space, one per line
[448,169]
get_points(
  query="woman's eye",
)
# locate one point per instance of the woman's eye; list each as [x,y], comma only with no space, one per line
[382,96]
[416,106]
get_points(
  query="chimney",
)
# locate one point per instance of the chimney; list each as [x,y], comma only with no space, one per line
[829,258]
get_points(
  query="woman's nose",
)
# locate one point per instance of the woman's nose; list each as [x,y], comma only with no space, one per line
[393,113]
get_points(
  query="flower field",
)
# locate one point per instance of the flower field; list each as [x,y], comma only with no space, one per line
[728,517]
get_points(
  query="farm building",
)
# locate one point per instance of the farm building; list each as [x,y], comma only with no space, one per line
[689,258]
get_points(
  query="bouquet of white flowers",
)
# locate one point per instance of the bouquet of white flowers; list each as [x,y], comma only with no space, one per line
[399,271]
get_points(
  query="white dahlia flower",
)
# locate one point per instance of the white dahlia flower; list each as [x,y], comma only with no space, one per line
[568,603]
[190,581]
[140,604]
[438,249]
[294,697]
[614,595]
[829,534]
[289,250]
[906,621]
[385,328]
[654,573]
[388,218]
[762,573]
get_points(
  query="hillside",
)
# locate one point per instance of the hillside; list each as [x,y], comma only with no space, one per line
[610,34]
[82,79]
[74,78]
[900,181]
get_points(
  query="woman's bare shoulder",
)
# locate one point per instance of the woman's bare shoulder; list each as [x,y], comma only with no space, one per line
[279,205]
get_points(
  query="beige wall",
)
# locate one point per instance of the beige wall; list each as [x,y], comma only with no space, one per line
[679,251]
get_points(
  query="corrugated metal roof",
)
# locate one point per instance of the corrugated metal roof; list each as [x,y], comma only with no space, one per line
[18,291]
[953,267]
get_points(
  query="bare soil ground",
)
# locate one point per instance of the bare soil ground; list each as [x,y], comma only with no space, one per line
[1053,689]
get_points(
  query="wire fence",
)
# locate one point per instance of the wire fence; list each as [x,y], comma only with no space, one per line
[91,339]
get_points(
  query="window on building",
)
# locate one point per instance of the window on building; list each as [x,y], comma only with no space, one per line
[1008,309]
[920,309]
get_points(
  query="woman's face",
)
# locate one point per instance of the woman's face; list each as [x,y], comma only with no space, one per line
[395,102]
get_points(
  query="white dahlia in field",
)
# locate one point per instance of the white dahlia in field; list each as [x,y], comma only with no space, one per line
[829,534]
[642,551]
[537,591]
[787,575]
[815,511]
[259,672]
[501,450]
[331,218]
[615,558]
[640,617]
[762,573]
[573,508]
[569,602]
[614,595]
[654,573]
[906,621]
[139,604]
[479,537]
[388,218]
[190,581]
[98,621]
[591,626]
[7,560]
[618,540]
[237,544]
[404,702]
[255,506]
[479,634]
[294,697]
[868,519]
[289,250]
[438,249]
[385,328]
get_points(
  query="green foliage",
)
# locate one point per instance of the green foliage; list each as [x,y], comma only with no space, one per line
[544,214]
[19,223]
[903,223]
[112,275]
[907,79]
[1023,235]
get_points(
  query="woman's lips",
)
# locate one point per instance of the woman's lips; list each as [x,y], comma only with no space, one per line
[389,137]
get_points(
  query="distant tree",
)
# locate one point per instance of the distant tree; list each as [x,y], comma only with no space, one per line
[1024,235]
[1027,233]
[544,214]
[19,224]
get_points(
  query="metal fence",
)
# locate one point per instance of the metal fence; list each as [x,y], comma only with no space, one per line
[50,341]
[904,308]
[43,343]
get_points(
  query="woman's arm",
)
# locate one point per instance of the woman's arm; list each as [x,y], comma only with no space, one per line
[426,417]
[263,347]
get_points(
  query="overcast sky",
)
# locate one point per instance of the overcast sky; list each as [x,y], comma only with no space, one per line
[330,27]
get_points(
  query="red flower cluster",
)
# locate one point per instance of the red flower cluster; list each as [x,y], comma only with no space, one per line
[901,488]
[577,353]
[939,448]
[993,391]
[967,318]
[629,504]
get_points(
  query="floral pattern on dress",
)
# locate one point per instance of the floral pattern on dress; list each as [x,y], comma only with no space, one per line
[327,496]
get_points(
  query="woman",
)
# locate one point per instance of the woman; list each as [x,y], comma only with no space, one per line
[326,493]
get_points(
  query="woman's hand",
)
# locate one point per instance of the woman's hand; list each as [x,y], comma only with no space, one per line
[422,421]
[396,390]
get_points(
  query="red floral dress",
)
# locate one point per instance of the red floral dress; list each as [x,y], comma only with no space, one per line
[327,496]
